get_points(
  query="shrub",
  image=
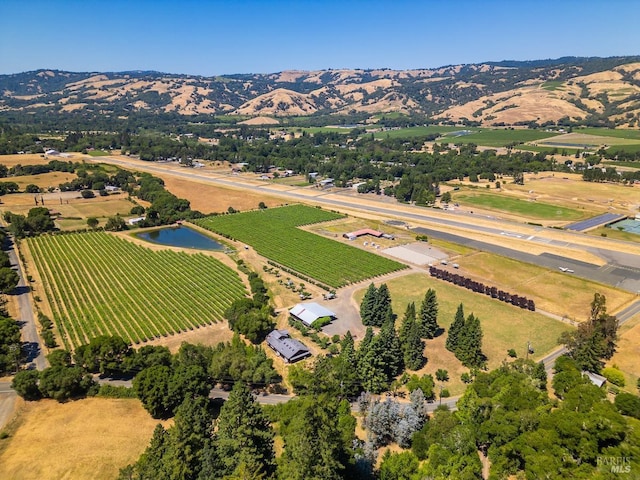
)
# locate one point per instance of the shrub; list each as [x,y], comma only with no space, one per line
[628,404]
[614,376]
[87,194]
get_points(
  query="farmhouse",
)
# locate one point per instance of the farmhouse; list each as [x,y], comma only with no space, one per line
[308,313]
[286,347]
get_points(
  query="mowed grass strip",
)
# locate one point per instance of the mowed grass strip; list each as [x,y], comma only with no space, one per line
[274,234]
[523,208]
[101,284]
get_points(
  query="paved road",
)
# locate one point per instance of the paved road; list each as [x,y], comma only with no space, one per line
[31,341]
[623,317]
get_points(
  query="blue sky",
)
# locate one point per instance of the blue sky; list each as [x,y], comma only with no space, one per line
[251,36]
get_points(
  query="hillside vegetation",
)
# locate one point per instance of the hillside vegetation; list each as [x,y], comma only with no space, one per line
[496,93]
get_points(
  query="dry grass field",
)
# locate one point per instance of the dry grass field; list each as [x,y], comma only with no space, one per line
[31,159]
[210,198]
[504,326]
[555,292]
[45,180]
[628,353]
[86,439]
[73,209]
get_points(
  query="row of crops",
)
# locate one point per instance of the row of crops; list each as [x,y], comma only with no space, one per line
[274,234]
[99,284]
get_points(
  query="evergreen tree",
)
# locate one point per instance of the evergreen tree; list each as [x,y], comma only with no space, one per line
[244,434]
[151,463]
[314,448]
[407,321]
[188,437]
[382,310]
[429,327]
[469,350]
[388,345]
[368,305]
[453,337]
[412,344]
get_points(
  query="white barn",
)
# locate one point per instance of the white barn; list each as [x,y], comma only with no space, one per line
[308,313]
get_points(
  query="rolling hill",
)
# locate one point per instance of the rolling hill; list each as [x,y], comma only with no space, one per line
[588,90]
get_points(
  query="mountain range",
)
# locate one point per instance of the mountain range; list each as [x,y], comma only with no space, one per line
[586,90]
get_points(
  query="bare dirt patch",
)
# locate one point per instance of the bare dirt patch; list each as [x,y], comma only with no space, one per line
[85,439]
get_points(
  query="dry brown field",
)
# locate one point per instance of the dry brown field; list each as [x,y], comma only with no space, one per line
[44,180]
[628,353]
[31,159]
[85,439]
[556,292]
[210,198]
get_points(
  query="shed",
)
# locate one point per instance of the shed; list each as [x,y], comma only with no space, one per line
[286,347]
[308,313]
[597,380]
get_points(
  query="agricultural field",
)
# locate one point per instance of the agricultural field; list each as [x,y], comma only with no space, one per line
[274,235]
[99,284]
[500,138]
[522,207]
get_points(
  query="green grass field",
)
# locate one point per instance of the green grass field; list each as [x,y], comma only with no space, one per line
[416,131]
[274,234]
[98,153]
[99,284]
[533,210]
[500,138]
[609,132]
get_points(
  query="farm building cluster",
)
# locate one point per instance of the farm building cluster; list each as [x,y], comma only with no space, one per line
[367,231]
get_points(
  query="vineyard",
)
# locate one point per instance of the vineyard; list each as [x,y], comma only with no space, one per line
[274,234]
[98,284]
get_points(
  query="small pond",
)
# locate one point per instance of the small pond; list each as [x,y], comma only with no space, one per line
[183,237]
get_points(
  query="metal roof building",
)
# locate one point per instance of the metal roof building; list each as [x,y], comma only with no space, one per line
[286,347]
[308,313]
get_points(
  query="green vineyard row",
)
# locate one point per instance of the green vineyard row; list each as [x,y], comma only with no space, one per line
[99,284]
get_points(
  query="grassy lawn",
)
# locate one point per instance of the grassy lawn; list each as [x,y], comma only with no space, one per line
[504,326]
[524,208]
[98,153]
[555,292]
[550,150]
